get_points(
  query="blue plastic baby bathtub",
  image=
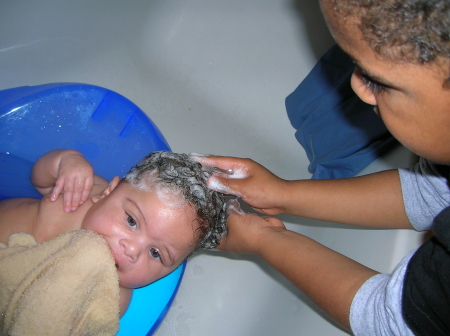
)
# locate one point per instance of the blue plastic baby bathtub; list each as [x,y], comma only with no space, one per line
[112,133]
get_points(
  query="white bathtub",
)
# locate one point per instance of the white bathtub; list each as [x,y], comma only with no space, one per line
[213,76]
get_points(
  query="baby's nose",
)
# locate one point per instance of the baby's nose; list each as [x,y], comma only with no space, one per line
[132,250]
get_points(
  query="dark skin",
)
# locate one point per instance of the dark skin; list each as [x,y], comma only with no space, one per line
[414,105]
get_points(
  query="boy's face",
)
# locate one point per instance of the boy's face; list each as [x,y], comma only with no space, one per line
[410,98]
[148,235]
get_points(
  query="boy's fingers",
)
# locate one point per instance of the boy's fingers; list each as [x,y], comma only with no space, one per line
[226,173]
[224,185]
[274,222]
[230,166]
[234,207]
[206,160]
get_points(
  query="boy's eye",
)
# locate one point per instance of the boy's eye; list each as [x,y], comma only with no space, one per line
[131,222]
[371,84]
[154,253]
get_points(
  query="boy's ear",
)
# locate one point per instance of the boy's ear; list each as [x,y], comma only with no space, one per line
[111,186]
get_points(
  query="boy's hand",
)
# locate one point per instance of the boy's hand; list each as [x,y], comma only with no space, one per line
[247,232]
[246,179]
[75,180]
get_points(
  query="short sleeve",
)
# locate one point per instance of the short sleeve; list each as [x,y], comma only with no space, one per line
[377,306]
[426,192]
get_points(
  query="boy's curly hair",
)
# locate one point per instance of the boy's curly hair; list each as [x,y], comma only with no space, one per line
[416,31]
[180,173]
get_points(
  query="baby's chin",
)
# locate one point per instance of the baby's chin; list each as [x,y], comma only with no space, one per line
[127,282]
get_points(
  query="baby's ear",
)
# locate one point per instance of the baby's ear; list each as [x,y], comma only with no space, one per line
[111,186]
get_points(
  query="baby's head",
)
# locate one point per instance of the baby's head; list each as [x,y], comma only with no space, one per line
[178,180]
[160,213]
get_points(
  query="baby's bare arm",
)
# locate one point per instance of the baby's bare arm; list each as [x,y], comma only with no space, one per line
[68,172]
[58,171]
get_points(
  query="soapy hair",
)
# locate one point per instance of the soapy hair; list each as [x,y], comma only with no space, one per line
[416,31]
[182,175]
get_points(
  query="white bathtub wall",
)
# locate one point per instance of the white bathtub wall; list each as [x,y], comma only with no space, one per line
[213,75]
[210,72]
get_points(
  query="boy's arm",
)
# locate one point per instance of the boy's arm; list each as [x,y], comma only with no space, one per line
[374,200]
[328,278]
[68,172]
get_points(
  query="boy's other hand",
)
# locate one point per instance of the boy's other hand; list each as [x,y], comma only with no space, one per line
[247,233]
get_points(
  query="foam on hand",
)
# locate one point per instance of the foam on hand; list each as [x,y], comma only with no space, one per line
[234,205]
[237,174]
[215,184]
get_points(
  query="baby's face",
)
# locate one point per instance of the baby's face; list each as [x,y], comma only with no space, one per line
[150,233]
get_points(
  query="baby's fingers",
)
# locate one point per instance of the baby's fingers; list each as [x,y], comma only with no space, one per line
[78,188]
[88,184]
[57,189]
[68,195]
[71,193]
[76,193]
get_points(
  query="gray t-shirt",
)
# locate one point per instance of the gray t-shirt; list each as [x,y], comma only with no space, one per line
[377,306]
[426,192]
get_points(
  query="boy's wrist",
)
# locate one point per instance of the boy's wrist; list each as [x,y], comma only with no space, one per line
[285,196]
[267,241]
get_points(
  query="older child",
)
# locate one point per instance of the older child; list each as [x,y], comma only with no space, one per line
[402,54]
[153,219]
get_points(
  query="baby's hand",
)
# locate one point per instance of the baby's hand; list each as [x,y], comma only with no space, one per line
[246,179]
[75,181]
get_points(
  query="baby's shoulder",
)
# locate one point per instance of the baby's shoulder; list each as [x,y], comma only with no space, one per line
[52,220]
[17,215]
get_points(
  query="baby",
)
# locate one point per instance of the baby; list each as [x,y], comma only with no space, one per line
[160,213]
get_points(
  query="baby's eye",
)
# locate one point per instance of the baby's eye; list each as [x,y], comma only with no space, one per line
[131,222]
[154,253]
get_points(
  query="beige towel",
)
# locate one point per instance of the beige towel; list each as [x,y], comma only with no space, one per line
[65,286]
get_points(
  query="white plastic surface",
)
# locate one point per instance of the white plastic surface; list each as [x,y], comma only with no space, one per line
[213,76]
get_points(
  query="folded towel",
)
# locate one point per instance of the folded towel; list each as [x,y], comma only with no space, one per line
[339,132]
[65,286]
